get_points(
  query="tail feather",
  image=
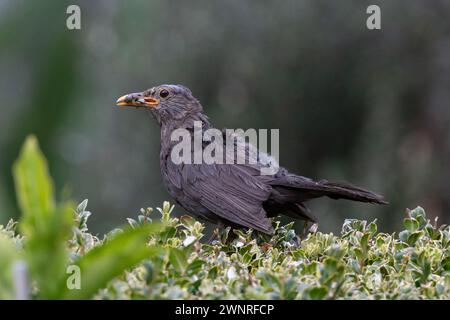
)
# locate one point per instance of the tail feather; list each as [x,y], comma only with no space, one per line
[295,188]
[347,191]
[290,191]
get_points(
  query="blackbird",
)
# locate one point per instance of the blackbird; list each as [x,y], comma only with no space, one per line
[230,194]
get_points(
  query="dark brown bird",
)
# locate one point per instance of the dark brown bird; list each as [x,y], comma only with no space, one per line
[230,194]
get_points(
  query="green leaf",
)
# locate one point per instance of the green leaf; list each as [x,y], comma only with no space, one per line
[271,281]
[317,293]
[372,228]
[417,212]
[403,235]
[411,224]
[365,242]
[413,237]
[187,221]
[289,289]
[359,255]
[46,226]
[212,273]
[8,255]
[178,258]
[195,267]
[111,259]
[34,187]
[169,232]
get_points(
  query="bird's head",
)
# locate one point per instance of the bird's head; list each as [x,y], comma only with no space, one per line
[166,102]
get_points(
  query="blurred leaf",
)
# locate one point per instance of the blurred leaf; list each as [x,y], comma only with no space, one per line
[413,237]
[411,224]
[178,259]
[317,293]
[403,235]
[195,266]
[417,212]
[34,187]
[45,226]
[106,261]
[8,254]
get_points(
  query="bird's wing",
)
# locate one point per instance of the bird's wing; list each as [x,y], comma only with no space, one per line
[230,192]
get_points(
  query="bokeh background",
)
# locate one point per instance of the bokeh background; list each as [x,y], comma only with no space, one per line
[369,107]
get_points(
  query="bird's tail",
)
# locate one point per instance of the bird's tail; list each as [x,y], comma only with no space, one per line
[346,191]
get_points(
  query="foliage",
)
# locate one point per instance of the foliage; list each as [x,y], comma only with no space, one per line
[358,264]
[10,245]
[163,257]
[50,231]
[45,225]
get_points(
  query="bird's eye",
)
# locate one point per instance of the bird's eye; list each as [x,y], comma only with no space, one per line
[164,93]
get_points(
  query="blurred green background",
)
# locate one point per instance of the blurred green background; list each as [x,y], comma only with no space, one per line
[368,107]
